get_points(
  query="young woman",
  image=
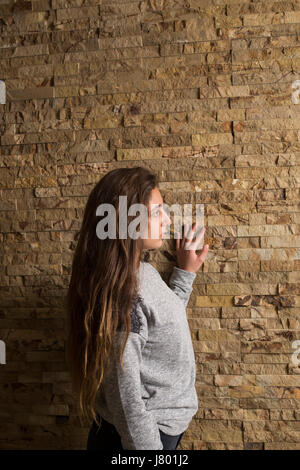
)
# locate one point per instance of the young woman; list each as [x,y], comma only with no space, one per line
[129,347]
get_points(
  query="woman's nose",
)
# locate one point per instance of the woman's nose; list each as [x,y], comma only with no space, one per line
[167,220]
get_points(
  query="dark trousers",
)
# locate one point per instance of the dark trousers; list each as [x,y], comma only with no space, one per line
[107,438]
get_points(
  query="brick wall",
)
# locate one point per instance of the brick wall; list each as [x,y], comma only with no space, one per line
[201,92]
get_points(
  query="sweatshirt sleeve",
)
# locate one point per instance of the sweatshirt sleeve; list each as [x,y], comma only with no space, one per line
[181,283]
[136,425]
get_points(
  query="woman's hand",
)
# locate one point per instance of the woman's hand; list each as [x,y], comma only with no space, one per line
[187,258]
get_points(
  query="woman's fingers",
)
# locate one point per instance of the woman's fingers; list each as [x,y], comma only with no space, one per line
[186,231]
[203,254]
[188,241]
[192,244]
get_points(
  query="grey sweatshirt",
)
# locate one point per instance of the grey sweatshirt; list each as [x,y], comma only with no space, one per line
[156,390]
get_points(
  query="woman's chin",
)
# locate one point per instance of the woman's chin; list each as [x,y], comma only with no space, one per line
[158,242]
[154,243]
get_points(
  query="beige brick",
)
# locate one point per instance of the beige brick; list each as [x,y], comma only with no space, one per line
[139,154]
[211,301]
[212,139]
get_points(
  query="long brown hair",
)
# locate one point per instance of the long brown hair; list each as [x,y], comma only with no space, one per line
[103,285]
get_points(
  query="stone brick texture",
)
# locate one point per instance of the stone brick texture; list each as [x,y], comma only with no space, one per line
[201,93]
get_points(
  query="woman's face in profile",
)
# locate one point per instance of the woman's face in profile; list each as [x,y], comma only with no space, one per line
[158,220]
